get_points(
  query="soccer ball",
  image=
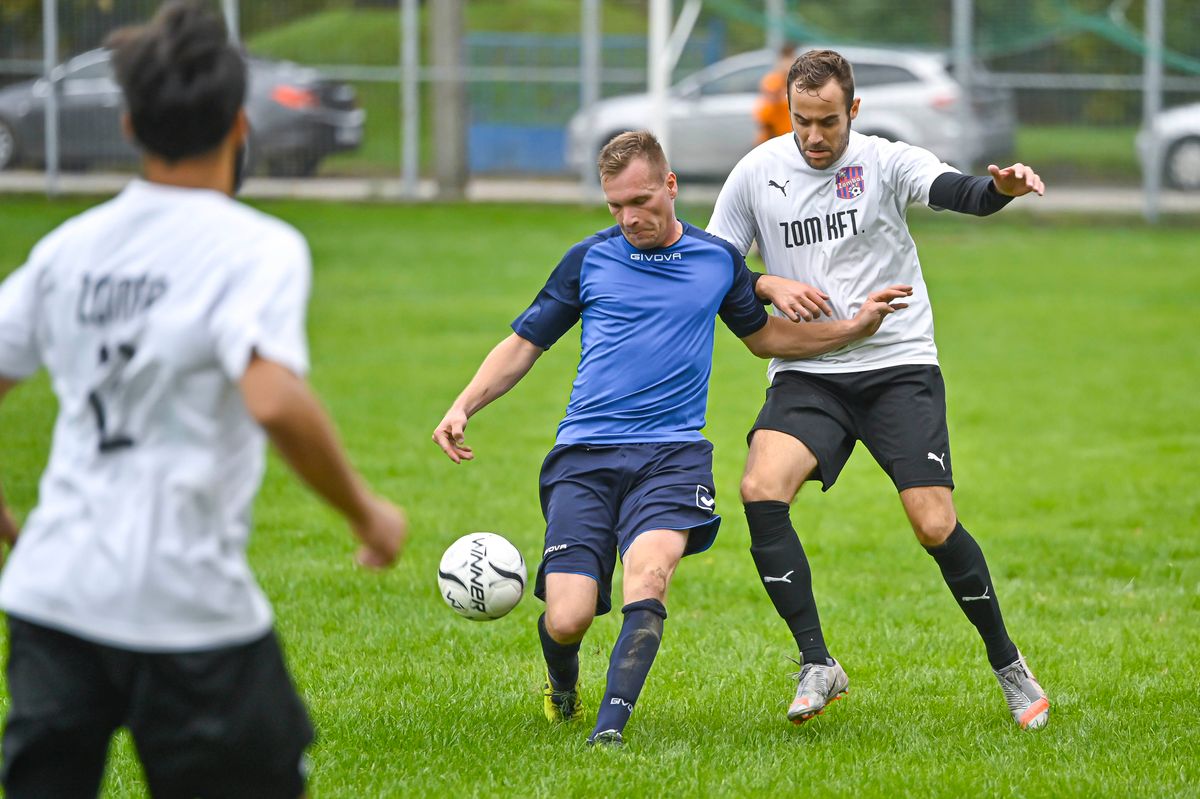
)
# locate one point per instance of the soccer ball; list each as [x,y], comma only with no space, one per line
[482,576]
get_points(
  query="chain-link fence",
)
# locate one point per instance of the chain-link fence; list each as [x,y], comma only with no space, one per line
[1057,83]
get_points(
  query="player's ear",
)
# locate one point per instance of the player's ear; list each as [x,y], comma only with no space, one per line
[127,127]
[241,127]
[854,107]
[672,185]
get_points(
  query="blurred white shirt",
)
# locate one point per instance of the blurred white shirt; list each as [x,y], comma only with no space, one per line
[843,230]
[145,311]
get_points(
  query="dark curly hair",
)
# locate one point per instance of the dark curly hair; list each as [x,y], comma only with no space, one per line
[813,69]
[182,78]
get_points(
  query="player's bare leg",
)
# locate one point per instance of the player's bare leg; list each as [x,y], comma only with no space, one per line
[649,564]
[776,468]
[570,608]
[931,512]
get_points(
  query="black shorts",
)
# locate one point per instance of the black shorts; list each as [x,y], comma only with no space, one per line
[217,723]
[598,498]
[899,414]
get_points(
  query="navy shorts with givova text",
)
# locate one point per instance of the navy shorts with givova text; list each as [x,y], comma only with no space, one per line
[598,498]
[899,413]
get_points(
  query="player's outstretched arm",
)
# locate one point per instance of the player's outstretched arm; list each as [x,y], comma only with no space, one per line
[503,368]
[1016,180]
[778,339]
[797,301]
[288,410]
[8,525]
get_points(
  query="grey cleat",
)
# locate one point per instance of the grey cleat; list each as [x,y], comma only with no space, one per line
[607,739]
[1026,700]
[819,685]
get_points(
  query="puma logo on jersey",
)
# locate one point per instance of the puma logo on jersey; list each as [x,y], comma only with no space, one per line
[941,461]
[983,596]
[784,579]
[782,188]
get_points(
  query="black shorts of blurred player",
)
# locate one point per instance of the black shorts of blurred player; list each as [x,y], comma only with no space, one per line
[224,723]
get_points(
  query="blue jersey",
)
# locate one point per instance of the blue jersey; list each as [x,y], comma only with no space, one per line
[647,332]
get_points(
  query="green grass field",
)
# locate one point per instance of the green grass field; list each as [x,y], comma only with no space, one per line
[1070,351]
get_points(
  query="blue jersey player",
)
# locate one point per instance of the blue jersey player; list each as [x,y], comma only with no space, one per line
[630,472]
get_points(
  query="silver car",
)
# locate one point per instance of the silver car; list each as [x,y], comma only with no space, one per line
[906,95]
[1179,137]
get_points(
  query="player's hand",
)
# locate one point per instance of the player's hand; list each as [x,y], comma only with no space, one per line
[797,301]
[8,530]
[878,305]
[8,527]
[449,435]
[383,532]
[1016,180]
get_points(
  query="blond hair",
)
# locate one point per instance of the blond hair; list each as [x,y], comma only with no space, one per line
[625,147]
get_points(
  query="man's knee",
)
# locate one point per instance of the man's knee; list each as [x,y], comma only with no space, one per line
[933,526]
[568,625]
[776,468]
[757,487]
[931,513]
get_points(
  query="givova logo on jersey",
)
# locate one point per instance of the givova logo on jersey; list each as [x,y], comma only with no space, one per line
[849,182]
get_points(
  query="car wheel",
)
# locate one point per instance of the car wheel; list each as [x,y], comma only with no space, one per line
[293,165]
[1182,165]
[8,145]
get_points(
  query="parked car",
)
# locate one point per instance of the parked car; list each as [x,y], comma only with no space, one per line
[906,95]
[1178,130]
[297,117]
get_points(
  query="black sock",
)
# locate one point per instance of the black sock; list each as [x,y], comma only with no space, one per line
[965,571]
[783,568]
[632,656]
[562,660]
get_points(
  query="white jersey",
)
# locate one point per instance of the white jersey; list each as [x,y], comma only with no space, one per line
[842,230]
[145,311]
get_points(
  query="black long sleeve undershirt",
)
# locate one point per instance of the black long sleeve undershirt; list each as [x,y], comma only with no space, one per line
[966,194]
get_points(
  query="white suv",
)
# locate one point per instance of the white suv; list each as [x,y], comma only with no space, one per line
[906,95]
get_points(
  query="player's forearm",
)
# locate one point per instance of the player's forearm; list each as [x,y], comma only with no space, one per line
[8,525]
[303,434]
[503,368]
[782,339]
[966,194]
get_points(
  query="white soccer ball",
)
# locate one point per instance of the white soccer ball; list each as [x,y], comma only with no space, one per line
[482,576]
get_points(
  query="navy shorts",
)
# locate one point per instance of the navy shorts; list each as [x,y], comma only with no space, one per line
[899,413]
[597,499]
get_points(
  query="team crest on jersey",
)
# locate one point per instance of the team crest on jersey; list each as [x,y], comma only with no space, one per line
[849,182]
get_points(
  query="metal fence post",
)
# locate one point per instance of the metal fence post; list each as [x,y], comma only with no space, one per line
[410,109]
[1151,105]
[231,11]
[450,109]
[49,65]
[589,80]
[962,27]
[776,10]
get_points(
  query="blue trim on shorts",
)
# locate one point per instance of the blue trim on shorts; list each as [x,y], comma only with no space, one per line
[716,519]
